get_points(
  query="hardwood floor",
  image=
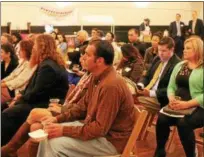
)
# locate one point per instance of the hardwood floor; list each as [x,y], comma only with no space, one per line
[146,148]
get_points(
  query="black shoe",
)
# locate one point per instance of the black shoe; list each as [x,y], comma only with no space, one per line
[160,153]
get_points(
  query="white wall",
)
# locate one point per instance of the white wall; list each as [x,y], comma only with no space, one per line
[122,13]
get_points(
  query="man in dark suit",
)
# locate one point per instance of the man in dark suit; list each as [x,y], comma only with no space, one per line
[154,95]
[195,26]
[177,32]
[144,24]
[133,37]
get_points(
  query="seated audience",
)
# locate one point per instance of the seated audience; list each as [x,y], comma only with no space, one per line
[62,45]
[131,64]
[133,37]
[107,109]
[153,93]
[48,81]
[31,36]
[74,57]
[117,51]
[186,82]
[56,30]
[82,37]
[9,60]
[100,34]
[152,51]
[54,35]
[16,38]
[94,33]
[37,114]
[77,71]
[19,78]
[6,38]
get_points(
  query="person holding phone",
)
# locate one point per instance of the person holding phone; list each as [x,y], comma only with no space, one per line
[152,87]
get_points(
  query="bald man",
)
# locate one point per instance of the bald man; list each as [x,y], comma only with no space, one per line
[82,36]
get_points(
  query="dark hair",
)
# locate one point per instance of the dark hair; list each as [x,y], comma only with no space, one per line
[147,19]
[27,46]
[135,30]
[104,49]
[167,41]
[94,29]
[131,52]
[17,35]
[9,48]
[63,36]
[100,33]
[112,35]
[55,34]
[82,49]
[158,34]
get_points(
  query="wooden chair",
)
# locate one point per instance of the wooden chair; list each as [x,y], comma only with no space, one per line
[140,117]
[149,122]
[171,145]
[150,127]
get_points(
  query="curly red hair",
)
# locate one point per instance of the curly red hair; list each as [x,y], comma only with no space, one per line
[44,48]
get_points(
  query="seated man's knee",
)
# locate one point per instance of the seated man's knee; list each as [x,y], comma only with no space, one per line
[60,143]
[37,114]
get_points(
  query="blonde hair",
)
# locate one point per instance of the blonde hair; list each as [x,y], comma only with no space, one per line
[197,44]
[44,48]
[83,34]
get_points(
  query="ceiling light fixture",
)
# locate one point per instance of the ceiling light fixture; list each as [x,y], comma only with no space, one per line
[141,4]
[63,4]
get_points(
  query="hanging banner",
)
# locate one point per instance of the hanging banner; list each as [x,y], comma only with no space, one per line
[55,13]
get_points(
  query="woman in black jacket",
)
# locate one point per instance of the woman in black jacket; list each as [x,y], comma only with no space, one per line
[9,60]
[49,81]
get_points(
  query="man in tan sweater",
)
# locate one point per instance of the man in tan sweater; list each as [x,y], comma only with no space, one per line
[102,121]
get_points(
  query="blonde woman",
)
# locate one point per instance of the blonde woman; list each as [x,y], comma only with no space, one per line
[186,82]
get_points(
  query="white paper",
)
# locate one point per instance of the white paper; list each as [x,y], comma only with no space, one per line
[127,69]
[38,134]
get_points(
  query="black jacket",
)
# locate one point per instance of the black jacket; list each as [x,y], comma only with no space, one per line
[173,29]
[49,81]
[12,65]
[141,47]
[199,28]
[164,80]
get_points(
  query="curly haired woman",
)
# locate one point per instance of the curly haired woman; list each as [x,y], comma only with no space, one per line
[48,81]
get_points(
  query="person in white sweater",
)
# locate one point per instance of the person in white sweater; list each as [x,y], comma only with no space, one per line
[18,79]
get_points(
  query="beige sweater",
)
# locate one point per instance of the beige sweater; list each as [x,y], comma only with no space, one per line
[20,77]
